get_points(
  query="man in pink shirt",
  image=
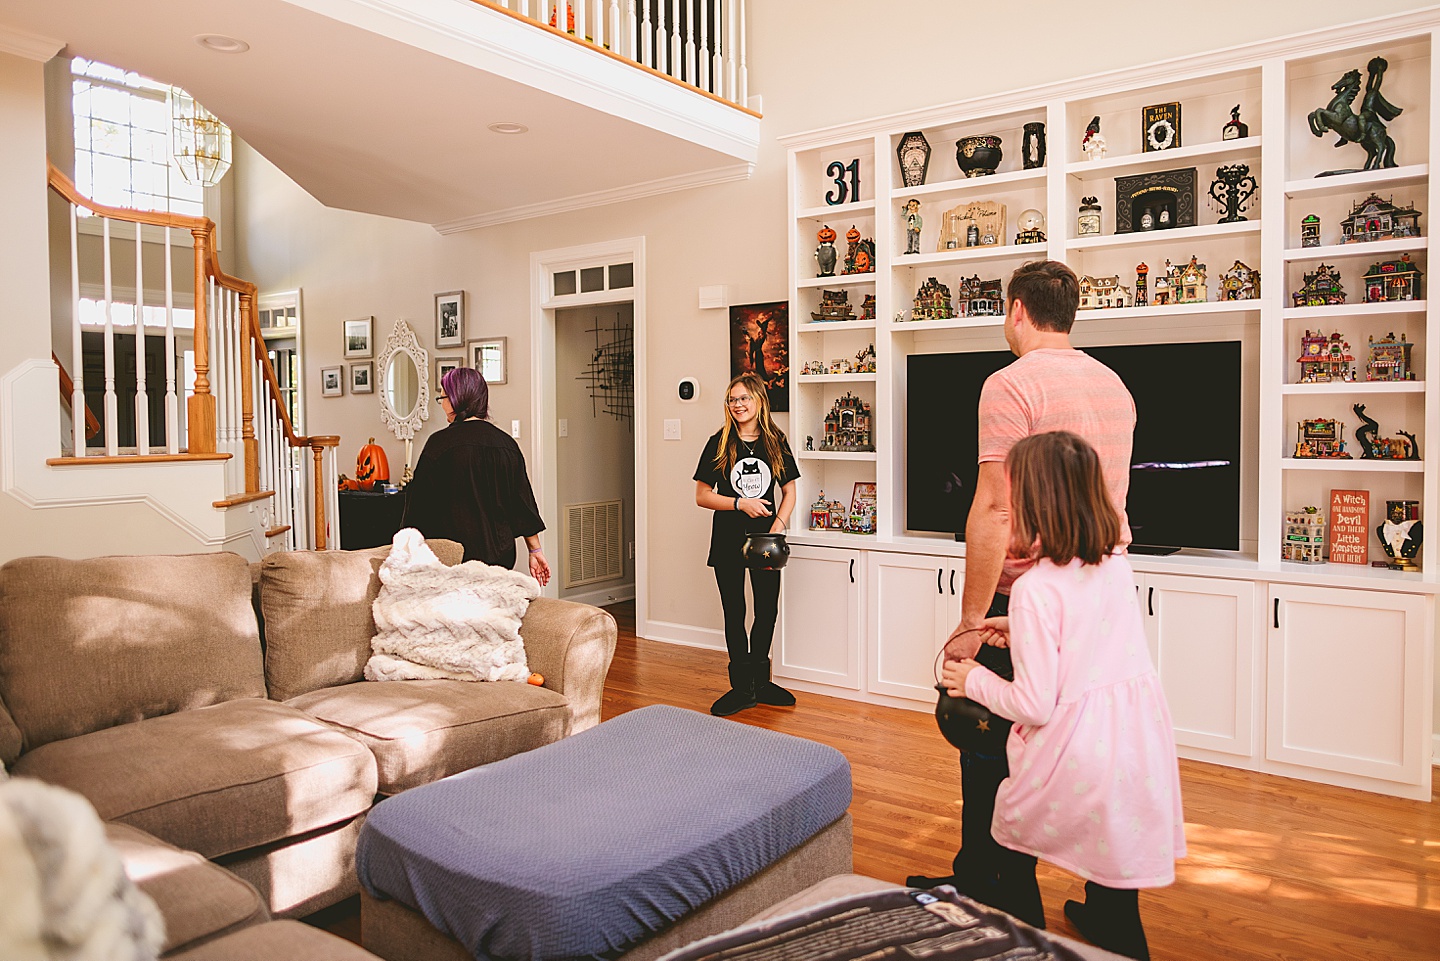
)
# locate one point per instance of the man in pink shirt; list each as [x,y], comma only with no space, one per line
[1051,386]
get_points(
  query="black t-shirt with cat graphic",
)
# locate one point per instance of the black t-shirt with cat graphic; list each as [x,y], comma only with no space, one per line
[752,476]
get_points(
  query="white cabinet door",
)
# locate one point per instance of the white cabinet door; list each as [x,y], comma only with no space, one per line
[821,607]
[1350,681]
[914,603]
[1202,637]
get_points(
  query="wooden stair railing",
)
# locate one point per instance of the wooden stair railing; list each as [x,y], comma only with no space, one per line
[224,416]
[67,397]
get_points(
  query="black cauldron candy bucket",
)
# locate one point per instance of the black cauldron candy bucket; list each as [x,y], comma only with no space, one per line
[765,552]
[968,725]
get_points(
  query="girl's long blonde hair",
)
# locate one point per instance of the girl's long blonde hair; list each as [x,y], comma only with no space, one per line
[772,438]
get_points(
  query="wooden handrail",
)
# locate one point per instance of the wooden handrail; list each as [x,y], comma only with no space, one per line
[67,393]
[66,188]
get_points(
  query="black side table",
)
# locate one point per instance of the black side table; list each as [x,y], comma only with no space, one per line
[369,518]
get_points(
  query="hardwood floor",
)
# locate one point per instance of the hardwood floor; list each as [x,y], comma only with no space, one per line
[1278,869]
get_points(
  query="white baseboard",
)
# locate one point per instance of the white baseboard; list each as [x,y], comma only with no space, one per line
[603,596]
[685,635]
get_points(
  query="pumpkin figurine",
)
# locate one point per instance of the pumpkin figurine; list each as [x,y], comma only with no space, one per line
[371,467]
[825,254]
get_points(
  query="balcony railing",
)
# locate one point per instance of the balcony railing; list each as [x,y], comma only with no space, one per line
[699,43]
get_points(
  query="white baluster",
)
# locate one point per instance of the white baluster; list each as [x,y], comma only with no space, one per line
[77,346]
[632,45]
[172,402]
[662,50]
[676,69]
[112,429]
[742,96]
[523,7]
[690,43]
[647,35]
[703,77]
[142,398]
[730,40]
[580,17]
[717,52]
[233,346]
[614,38]
[332,494]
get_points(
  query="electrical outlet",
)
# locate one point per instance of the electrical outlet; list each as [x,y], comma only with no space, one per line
[672,428]
[515,429]
[564,427]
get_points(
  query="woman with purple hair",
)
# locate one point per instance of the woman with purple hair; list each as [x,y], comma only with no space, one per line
[470,483]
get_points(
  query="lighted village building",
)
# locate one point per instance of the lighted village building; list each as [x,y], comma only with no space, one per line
[1325,359]
[1098,292]
[1376,219]
[1310,231]
[848,425]
[1240,283]
[1389,359]
[1191,287]
[932,302]
[980,298]
[1321,288]
[1392,280]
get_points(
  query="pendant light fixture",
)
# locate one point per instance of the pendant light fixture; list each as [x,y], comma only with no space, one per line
[199,141]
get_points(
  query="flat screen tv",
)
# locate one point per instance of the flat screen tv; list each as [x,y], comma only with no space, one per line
[1185,466]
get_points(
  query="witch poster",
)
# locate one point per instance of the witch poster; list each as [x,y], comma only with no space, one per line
[760,343]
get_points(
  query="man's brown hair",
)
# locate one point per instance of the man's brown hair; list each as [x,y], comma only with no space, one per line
[1050,292]
[1059,505]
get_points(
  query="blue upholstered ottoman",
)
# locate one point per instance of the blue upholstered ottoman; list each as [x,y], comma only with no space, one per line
[660,820]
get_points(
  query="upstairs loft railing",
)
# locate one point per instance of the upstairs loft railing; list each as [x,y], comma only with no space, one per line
[233,412]
[699,43]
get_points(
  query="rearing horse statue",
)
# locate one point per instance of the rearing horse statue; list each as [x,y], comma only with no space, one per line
[1368,127]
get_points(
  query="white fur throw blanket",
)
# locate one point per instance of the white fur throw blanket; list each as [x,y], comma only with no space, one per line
[63,892]
[460,623]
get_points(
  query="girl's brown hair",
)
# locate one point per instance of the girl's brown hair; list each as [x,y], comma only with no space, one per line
[1059,505]
[772,439]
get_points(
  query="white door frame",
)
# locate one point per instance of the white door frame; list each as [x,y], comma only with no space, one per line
[544,457]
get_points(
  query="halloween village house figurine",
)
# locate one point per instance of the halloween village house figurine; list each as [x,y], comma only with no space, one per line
[834,305]
[1376,219]
[1389,359]
[1325,359]
[1240,283]
[1304,536]
[848,426]
[1320,438]
[1100,292]
[1392,280]
[1321,288]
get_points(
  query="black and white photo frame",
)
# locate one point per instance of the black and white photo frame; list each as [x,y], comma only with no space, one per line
[362,378]
[488,357]
[332,381]
[360,338]
[450,319]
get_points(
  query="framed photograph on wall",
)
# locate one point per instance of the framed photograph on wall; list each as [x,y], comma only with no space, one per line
[362,378]
[488,357]
[332,381]
[450,319]
[360,338]
[443,366]
[760,343]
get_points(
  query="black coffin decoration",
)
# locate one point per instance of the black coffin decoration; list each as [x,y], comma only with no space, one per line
[1169,195]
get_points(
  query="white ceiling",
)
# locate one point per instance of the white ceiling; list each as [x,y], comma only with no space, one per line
[383,106]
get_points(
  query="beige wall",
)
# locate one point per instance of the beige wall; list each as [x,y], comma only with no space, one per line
[815,64]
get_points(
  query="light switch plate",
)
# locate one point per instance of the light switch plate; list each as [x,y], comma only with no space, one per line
[515,429]
[672,428]
[564,427]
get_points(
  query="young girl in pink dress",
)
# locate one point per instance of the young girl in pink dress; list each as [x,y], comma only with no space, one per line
[1094,786]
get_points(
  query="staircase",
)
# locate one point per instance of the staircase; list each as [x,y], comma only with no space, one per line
[224,417]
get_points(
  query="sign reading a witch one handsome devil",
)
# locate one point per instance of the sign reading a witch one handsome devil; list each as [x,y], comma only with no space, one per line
[1349,527]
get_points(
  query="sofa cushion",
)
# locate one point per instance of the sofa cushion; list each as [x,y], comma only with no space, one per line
[218,779]
[316,608]
[198,900]
[421,731]
[278,941]
[89,644]
[10,740]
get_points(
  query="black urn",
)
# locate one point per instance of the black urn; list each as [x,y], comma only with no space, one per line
[969,726]
[765,552]
[978,156]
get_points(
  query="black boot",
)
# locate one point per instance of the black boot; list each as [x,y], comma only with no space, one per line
[766,690]
[741,694]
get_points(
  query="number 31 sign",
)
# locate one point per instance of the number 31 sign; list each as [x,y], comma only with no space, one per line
[843,192]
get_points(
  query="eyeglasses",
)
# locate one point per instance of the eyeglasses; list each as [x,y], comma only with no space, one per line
[440,397]
[741,400]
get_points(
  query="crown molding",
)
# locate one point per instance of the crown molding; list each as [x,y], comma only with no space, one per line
[599,198]
[31,46]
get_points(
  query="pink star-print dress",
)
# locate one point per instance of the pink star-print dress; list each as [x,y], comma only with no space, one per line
[1094,786]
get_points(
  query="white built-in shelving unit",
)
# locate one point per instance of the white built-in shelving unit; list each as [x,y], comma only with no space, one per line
[1255,652]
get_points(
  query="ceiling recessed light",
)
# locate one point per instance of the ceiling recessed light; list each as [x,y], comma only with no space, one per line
[221,43]
[509,128]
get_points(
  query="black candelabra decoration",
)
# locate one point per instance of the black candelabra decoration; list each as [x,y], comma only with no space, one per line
[1237,187]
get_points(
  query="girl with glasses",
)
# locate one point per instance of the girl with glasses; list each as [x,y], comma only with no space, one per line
[746,475]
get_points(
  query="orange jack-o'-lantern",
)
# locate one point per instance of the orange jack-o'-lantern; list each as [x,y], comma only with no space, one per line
[371,467]
[827,235]
[852,236]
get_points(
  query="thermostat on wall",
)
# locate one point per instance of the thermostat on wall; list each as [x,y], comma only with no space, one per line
[689,388]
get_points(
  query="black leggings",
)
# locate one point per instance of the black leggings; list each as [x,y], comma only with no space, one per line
[765,586]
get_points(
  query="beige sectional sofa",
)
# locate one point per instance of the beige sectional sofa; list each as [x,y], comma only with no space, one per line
[219,707]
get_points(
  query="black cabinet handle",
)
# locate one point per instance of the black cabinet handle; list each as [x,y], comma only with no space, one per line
[952,582]
[1150,601]
[1277,612]
[852,570]
[939,580]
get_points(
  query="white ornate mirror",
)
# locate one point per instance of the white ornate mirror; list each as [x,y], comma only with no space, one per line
[404,388]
